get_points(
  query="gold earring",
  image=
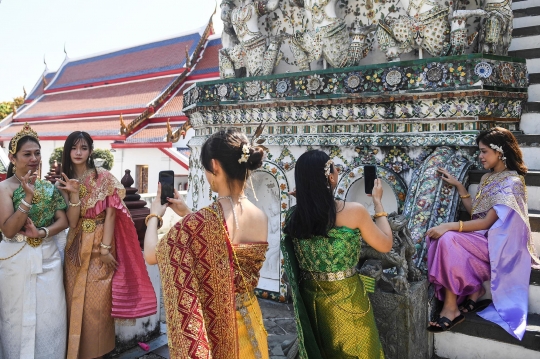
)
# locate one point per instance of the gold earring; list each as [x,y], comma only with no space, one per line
[210,187]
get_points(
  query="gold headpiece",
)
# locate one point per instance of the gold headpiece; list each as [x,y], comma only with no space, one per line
[26,131]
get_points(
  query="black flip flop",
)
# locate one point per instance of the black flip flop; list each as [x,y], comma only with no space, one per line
[471,306]
[445,324]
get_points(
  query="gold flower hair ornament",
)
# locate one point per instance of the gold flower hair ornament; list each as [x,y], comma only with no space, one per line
[26,131]
[246,147]
[327,167]
[245,153]
[498,149]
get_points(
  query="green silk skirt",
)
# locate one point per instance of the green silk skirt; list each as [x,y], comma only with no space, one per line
[342,318]
[334,319]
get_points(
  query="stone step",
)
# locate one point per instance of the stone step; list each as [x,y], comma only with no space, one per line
[526,4]
[526,21]
[530,125]
[479,338]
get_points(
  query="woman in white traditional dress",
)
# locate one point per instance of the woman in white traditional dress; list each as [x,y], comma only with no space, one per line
[33,219]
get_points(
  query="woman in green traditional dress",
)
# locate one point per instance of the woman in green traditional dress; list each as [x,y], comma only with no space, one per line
[321,246]
[32,218]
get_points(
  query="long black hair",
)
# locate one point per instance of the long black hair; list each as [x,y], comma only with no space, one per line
[20,143]
[226,147]
[72,140]
[315,212]
[505,139]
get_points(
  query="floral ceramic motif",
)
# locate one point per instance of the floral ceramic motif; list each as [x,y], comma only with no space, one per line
[443,75]
[397,160]
[506,73]
[429,201]
[287,166]
[483,70]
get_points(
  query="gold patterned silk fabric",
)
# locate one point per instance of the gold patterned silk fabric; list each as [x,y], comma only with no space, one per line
[334,319]
[337,252]
[250,257]
[108,184]
[252,337]
[197,277]
[89,298]
[507,188]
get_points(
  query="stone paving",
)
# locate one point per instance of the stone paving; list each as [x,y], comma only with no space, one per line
[278,320]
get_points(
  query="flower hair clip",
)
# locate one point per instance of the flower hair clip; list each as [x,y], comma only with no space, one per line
[327,166]
[245,153]
[498,149]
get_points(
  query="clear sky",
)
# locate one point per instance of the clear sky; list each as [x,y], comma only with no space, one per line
[32,29]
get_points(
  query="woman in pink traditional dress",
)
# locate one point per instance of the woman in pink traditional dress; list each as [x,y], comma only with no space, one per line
[495,245]
[105,276]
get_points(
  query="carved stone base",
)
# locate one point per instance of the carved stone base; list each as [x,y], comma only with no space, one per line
[402,321]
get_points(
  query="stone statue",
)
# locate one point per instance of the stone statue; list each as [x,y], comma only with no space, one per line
[496,31]
[328,38]
[400,257]
[424,27]
[248,46]
[458,35]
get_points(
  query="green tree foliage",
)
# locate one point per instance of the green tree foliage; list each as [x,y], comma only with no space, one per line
[56,156]
[6,107]
[106,155]
[98,153]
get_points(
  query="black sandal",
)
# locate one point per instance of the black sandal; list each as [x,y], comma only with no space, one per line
[471,306]
[445,324]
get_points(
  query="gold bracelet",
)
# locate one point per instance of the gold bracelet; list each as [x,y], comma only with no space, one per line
[466,196]
[105,246]
[160,219]
[461,226]
[74,204]
[380,214]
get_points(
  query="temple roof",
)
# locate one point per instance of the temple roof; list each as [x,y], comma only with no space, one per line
[208,64]
[144,83]
[152,133]
[147,60]
[173,107]
[38,87]
[130,97]
[97,127]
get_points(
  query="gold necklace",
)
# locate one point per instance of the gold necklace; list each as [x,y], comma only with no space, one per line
[18,179]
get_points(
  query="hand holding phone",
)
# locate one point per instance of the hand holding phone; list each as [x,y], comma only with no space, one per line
[166,178]
[370,174]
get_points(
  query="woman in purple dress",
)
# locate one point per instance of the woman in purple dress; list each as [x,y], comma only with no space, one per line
[496,244]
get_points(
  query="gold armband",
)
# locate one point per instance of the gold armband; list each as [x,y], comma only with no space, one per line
[160,219]
[380,214]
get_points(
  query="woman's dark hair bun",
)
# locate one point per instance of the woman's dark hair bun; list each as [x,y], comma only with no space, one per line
[255,160]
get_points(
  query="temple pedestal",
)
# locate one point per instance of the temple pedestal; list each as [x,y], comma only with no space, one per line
[402,321]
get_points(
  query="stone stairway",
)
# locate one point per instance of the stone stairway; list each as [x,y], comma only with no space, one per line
[479,338]
[526,44]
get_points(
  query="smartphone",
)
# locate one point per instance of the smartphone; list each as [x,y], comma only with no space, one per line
[370,174]
[166,178]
